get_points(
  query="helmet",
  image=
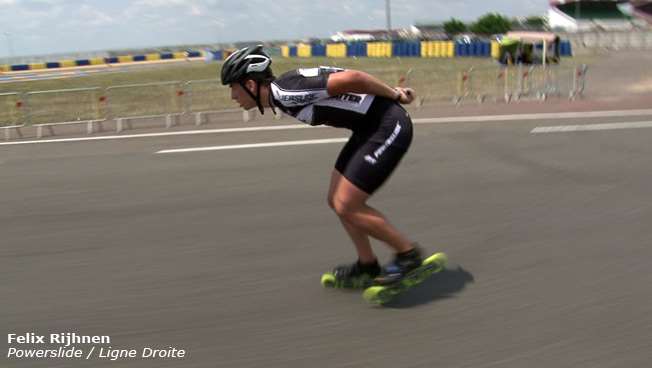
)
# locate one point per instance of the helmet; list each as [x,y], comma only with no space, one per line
[249,62]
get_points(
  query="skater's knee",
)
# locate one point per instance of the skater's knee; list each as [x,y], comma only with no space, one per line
[344,209]
[331,201]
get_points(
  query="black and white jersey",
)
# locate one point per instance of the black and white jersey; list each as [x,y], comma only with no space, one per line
[302,94]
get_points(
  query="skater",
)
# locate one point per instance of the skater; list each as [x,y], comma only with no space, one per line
[382,133]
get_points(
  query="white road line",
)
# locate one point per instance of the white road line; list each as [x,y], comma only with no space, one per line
[591,127]
[256,145]
[165,134]
[455,119]
[541,116]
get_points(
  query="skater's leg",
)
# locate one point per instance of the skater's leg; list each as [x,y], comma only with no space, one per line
[360,238]
[349,202]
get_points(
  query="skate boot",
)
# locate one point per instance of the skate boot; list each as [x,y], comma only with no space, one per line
[352,276]
[401,267]
[408,270]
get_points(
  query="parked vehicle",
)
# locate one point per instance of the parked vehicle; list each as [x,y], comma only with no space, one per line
[529,48]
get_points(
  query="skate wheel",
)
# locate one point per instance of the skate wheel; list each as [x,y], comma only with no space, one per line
[377,295]
[439,258]
[328,280]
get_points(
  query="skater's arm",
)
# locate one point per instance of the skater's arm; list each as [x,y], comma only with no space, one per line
[354,81]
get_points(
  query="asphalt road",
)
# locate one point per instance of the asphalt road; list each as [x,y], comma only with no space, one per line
[220,252]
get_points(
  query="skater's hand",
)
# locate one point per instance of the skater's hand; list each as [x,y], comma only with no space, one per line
[407,95]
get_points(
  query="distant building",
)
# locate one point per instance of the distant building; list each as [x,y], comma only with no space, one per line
[375,35]
[431,31]
[588,15]
[642,9]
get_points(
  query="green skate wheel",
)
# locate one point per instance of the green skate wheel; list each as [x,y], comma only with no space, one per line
[328,280]
[378,294]
[439,258]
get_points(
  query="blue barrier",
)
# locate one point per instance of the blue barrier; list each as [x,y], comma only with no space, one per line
[486,46]
[111,60]
[18,67]
[406,48]
[293,51]
[318,50]
[167,55]
[194,54]
[461,49]
[474,49]
[398,49]
[139,58]
[565,48]
[53,65]
[82,62]
[416,48]
[215,54]
[356,49]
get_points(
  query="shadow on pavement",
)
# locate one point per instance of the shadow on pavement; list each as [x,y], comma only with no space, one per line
[444,284]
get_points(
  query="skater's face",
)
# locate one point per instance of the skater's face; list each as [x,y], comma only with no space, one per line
[241,96]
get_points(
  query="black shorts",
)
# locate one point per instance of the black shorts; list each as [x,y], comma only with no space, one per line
[374,150]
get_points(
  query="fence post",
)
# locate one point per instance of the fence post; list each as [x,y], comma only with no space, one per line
[107,104]
[248,115]
[579,80]
[187,105]
[27,107]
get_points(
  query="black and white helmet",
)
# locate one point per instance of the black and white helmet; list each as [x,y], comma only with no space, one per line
[249,62]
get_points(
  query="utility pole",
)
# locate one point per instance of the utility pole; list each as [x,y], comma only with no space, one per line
[388,13]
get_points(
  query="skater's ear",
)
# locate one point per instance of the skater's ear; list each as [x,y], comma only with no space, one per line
[250,84]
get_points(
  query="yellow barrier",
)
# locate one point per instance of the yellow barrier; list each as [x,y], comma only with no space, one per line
[495,49]
[180,55]
[151,57]
[304,50]
[67,63]
[36,66]
[125,59]
[97,61]
[372,49]
[285,51]
[440,49]
[4,68]
[449,49]
[379,49]
[437,49]
[336,50]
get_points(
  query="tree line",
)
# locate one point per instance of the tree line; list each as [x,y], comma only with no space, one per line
[494,23]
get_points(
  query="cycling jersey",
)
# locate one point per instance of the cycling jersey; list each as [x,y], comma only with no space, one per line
[302,94]
[382,129]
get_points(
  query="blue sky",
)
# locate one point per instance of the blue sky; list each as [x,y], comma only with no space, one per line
[29,27]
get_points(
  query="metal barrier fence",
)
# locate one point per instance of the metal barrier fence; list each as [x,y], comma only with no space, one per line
[494,84]
[431,87]
[62,105]
[11,109]
[520,82]
[206,95]
[150,99]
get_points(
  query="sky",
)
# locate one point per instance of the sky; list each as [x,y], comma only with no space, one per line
[37,27]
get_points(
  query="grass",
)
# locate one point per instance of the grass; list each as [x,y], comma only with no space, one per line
[433,78]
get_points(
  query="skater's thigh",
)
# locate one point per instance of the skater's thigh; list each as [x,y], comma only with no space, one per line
[343,192]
